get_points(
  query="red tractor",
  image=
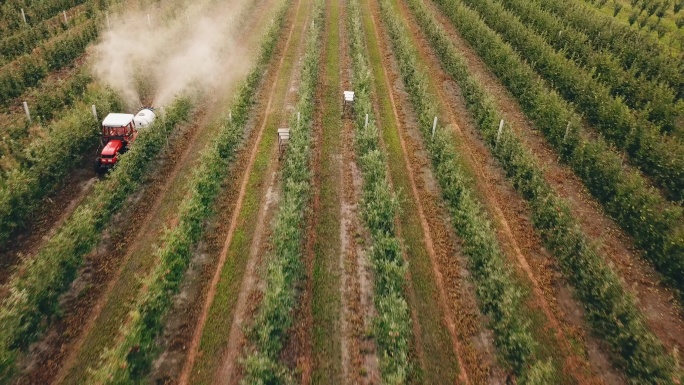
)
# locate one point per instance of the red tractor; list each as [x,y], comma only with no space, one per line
[118,133]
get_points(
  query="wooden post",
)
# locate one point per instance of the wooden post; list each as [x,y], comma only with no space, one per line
[26,110]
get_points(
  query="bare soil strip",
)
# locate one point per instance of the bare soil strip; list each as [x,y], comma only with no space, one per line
[505,206]
[250,275]
[664,314]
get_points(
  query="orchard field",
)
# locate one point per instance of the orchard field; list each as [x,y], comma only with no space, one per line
[501,202]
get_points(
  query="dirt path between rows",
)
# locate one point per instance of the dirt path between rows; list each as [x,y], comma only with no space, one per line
[663,313]
[359,351]
[250,279]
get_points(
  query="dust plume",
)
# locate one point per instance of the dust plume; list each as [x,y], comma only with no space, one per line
[177,48]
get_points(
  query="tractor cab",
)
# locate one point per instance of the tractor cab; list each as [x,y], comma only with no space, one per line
[118,132]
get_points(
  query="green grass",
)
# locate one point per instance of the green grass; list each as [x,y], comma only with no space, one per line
[327,359]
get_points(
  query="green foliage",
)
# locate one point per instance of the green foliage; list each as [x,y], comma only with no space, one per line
[32,302]
[28,70]
[35,11]
[636,50]
[609,308]
[130,358]
[46,162]
[660,157]
[654,223]
[274,317]
[499,295]
[392,326]
[652,98]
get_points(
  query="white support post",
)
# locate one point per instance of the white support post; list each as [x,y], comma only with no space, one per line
[94,109]
[23,16]
[567,130]
[498,135]
[298,118]
[434,127]
[107,17]
[366,126]
[66,21]
[149,20]
[26,110]
[230,116]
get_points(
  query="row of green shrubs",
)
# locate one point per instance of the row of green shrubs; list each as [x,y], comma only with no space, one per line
[640,210]
[654,99]
[660,157]
[392,326]
[285,267]
[36,12]
[500,295]
[636,49]
[48,101]
[28,70]
[129,360]
[25,40]
[34,289]
[47,161]
[610,309]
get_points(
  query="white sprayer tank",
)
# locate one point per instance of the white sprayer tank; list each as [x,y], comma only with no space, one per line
[144,118]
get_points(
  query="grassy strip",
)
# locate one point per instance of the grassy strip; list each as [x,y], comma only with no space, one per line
[654,100]
[285,269]
[130,358]
[660,157]
[636,50]
[654,223]
[33,295]
[500,296]
[326,302]
[46,162]
[609,308]
[392,326]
